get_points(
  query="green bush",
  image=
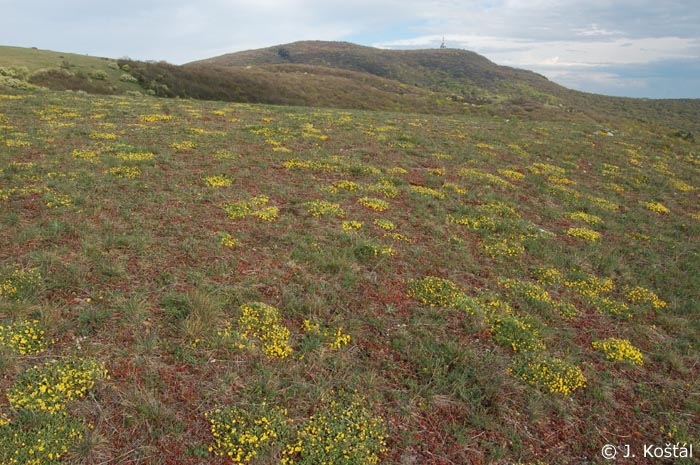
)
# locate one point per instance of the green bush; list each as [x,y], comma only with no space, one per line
[17,72]
[14,83]
[126,77]
[99,75]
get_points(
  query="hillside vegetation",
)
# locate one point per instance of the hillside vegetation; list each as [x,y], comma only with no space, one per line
[466,77]
[344,75]
[30,67]
[465,74]
[187,282]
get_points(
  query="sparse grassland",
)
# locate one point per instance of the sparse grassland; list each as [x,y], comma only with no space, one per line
[200,282]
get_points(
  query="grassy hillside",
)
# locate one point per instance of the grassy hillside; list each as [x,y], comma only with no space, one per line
[63,71]
[343,75]
[303,85]
[461,72]
[466,77]
[205,282]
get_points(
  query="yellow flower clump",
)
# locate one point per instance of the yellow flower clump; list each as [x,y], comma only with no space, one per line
[342,432]
[56,199]
[23,337]
[517,334]
[43,444]
[427,191]
[184,145]
[605,204]
[351,225]
[374,204]
[619,349]
[135,156]
[681,185]
[384,224]
[84,154]
[342,185]
[436,292]
[268,214]
[262,322]
[477,175]
[583,216]
[554,376]
[548,276]
[227,240]
[608,306]
[323,207]
[19,283]
[546,168]
[128,172]
[511,174]
[314,165]
[218,181]
[49,387]
[656,207]
[590,286]
[252,207]
[397,237]
[385,187]
[529,291]
[641,295]
[335,338]
[154,117]
[396,170]
[584,233]
[103,136]
[477,223]
[241,435]
[503,247]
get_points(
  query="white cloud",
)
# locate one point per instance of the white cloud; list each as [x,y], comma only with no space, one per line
[565,53]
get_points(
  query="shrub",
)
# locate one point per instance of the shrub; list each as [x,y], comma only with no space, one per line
[99,75]
[17,72]
[62,79]
[126,77]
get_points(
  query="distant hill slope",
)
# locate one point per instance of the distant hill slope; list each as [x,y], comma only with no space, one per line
[63,71]
[466,78]
[460,72]
[345,75]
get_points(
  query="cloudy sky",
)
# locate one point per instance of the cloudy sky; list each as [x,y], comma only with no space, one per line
[636,48]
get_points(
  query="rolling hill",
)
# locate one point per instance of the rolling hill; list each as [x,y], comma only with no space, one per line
[344,75]
[466,78]
[20,66]
[463,73]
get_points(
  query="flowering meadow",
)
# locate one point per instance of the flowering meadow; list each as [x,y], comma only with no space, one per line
[187,282]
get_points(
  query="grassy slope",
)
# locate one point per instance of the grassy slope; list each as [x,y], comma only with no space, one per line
[448,70]
[343,75]
[81,65]
[304,85]
[135,273]
[472,78]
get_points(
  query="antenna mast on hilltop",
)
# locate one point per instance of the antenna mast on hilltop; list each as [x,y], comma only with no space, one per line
[443,45]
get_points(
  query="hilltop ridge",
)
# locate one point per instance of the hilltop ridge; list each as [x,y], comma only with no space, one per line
[459,72]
